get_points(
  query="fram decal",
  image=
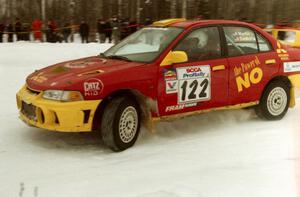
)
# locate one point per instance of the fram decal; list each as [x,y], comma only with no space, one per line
[92,87]
[179,107]
[169,74]
[247,74]
[39,78]
[171,86]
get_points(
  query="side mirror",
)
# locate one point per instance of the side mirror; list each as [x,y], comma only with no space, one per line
[174,57]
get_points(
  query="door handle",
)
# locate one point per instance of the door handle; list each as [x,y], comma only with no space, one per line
[270,61]
[219,67]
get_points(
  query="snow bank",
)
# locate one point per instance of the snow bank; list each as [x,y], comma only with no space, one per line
[226,153]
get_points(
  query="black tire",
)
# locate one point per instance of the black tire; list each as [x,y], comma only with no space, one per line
[120,137]
[275,100]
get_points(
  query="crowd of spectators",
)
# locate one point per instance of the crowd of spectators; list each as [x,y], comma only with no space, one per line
[111,30]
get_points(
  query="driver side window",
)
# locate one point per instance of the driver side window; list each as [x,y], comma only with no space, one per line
[201,44]
[240,41]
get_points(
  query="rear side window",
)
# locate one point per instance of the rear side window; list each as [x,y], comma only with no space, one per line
[240,40]
[263,44]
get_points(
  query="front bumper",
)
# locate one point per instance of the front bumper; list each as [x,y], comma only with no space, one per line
[55,115]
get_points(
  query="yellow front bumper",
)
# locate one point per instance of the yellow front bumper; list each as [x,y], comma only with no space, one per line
[74,116]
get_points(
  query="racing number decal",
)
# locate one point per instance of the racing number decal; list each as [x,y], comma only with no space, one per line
[194,84]
[193,90]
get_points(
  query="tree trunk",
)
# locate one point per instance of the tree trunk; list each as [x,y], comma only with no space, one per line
[173,8]
[138,14]
[184,7]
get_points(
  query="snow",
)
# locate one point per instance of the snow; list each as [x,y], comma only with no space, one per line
[225,153]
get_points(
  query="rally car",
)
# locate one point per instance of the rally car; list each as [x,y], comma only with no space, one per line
[170,69]
[288,36]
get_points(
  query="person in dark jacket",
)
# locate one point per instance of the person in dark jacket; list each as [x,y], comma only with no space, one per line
[116,30]
[2,27]
[26,31]
[133,26]
[101,27]
[66,32]
[108,31]
[18,29]
[125,29]
[10,30]
[148,21]
[50,32]
[84,31]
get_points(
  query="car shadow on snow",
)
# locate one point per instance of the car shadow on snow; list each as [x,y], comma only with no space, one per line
[199,125]
[89,141]
[175,130]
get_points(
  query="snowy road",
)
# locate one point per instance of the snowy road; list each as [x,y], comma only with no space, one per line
[228,153]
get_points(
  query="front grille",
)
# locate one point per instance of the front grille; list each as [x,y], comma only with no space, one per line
[29,111]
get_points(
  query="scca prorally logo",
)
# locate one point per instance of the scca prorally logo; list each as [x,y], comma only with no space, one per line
[193,72]
[92,87]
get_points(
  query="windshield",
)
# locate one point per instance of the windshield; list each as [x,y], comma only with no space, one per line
[144,45]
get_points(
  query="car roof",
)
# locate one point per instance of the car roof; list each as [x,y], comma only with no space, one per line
[190,23]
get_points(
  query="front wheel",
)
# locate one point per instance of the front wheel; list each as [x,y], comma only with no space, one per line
[275,101]
[120,123]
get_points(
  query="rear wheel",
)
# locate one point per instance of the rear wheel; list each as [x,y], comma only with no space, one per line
[275,101]
[120,123]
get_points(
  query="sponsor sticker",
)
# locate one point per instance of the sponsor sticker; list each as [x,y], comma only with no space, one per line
[248,74]
[92,87]
[79,64]
[179,107]
[170,74]
[291,66]
[193,72]
[171,86]
[39,78]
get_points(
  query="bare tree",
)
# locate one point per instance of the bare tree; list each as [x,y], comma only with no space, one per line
[173,8]
[184,7]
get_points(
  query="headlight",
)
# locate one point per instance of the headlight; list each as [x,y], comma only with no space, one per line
[60,95]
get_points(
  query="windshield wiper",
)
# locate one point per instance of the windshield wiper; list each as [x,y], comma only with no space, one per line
[119,57]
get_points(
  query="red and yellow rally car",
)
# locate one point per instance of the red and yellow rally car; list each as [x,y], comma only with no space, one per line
[170,69]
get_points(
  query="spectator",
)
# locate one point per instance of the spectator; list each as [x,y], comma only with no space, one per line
[1,31]
[50,32]
[148,21]
[10,32]
[101,28]
[36,27]
[108,31]
[116,33]
[133,26]
[26,32]
[18,29]
[84,31]
[125,31]
[66,32]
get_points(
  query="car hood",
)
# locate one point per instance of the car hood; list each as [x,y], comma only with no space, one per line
[64,75]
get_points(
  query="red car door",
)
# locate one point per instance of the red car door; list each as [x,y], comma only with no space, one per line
[253,63]
[202,82]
